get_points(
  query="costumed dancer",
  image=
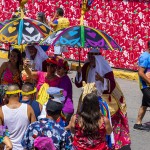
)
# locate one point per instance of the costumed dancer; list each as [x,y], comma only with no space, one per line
[97,70]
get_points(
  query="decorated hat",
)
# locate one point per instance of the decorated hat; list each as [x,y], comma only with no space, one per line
[51,60]
[94,51]
[56,94]
[62,63]
[44,143]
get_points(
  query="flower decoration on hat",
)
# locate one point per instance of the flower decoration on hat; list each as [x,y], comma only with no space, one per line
[62,63]
[51,60]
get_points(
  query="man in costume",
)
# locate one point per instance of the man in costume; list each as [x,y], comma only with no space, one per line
[97,70]
[59,22]
[37,57]
[144,77]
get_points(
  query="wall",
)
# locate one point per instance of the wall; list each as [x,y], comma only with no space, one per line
[127,21]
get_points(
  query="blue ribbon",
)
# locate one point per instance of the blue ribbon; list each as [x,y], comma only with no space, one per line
[20,32]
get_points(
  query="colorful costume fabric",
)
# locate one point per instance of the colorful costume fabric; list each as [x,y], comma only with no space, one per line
[112,94]
[8,77]
[47,128]
[96,141]
[3,132]
[66,84]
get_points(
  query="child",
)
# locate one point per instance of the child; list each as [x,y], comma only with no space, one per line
[89,126]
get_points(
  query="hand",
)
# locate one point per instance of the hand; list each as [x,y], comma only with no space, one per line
[79,69]
[26,63]
[98,77]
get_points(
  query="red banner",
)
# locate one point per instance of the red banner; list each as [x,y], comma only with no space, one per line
[127,21]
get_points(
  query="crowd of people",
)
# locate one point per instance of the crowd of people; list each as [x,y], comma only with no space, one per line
[100,122]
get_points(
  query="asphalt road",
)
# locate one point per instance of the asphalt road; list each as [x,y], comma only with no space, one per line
[140,139]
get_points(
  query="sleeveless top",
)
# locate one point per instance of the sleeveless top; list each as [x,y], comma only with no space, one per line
[42,79]
[17,122]
[96,141]
[8,77]
[35,105]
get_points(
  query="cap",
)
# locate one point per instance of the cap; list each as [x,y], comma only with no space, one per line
[54,105]
[44,143]
[62,63]
[94,51]
[56,93]
[51,60]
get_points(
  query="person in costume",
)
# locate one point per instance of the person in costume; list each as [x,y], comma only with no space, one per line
[37,57]
[97,70]
[41,77]
[65,83]
[9,71]
[16,116]
[144,80]
[4,138]
[28,92]
[90,126]
[59,22]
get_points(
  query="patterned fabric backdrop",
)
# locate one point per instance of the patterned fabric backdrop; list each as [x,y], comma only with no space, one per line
[127,21]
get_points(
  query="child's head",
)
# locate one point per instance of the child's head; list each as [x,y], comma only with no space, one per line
[90,113]
[44,143]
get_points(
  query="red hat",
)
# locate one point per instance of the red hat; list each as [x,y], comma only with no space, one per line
[51,60]
[62,63]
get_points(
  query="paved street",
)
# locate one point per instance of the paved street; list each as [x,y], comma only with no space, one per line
[140,139]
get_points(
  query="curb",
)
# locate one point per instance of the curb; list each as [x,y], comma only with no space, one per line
[118,73]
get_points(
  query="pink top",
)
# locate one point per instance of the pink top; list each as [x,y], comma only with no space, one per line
[8,77]
[42,79]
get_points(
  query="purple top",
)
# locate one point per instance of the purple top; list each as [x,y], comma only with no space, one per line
[66,84]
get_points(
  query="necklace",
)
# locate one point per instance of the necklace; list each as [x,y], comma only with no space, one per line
[50,77]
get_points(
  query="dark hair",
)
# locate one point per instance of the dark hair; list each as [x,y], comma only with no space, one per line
[41,15]
[90,114]
[19,61]
[60,11]
[51,113]
[27,87]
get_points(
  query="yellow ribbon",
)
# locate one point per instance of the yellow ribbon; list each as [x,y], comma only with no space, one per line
[13,92]
[29,93]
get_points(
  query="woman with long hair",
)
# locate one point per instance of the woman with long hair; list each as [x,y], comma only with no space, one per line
[9,71]
[89,126]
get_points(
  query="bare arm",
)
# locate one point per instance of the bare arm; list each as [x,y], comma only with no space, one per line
[108,126]
[1,116]
[51,21]
[31,115]
[30,73]
[2,68]
[71,125]
[142,75]
[8,143]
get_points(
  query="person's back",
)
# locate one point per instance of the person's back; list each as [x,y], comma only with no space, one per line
[49,128]
[96,140]
[17,121]
[16,116]
[28,97]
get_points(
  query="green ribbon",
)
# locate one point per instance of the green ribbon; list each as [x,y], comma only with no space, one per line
[82,36]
